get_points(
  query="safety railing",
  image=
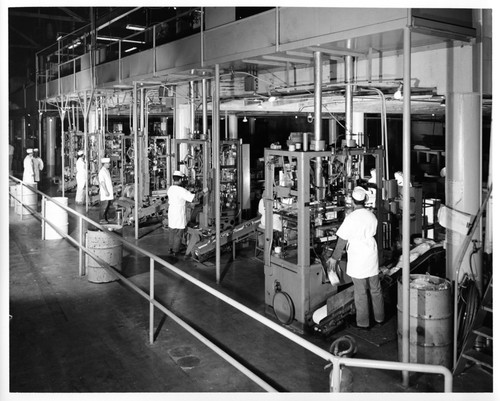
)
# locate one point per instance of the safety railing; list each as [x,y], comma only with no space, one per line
[335,361]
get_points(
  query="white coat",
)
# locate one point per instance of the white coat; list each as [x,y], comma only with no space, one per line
[177,198]
[29,171]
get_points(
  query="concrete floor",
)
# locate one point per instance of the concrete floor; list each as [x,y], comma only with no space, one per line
[68,335]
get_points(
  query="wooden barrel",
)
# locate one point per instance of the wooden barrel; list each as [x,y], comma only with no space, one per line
[57,216]
[28,197]
[107,248]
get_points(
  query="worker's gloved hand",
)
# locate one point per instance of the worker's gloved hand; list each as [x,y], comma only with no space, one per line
[332,271]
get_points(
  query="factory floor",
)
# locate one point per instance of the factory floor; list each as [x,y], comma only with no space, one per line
[70,335]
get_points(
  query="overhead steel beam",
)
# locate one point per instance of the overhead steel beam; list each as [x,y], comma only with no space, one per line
[73,14]
[24,36]
[339,51]
[41,16]
[287,59]
[264,62]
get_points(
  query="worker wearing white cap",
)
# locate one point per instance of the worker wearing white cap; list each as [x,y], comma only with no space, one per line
[29,170]
[105,190]
[37,165]
[357,231]
[177,198]
[81,178]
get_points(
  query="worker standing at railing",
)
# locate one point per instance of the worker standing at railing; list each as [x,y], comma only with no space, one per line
[37,165]
[29,170]
[81,178]
[106,195]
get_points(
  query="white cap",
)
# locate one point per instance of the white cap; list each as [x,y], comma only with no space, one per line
[80,152]
[177,173]
[105,160]
[35,150]
[358,194]
[29,150]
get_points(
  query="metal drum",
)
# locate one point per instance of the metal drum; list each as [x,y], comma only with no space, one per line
[107,248]
[431,320]
[57,216]
[28,197]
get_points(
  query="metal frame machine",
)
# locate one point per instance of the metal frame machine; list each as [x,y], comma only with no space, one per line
[309,213]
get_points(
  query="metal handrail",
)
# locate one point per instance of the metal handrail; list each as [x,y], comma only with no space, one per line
[337,362]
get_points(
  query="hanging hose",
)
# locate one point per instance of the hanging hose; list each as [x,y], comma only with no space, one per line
[468,303]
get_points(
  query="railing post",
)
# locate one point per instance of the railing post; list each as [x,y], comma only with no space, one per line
[21,202]
[335,376]
[151,298]
[81,254]
[44,201]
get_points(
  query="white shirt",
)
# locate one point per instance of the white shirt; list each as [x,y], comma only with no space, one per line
[105,176]
[81,170]
[37,167]
[177,198]
[359,229]
[29,172]
[277,224]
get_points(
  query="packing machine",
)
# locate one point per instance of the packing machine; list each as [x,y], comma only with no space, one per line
[296,283]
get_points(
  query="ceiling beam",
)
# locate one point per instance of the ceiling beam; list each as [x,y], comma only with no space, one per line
[41,16]
[337,51]
[264,62]
[24,36]
[73,14]
[288,59]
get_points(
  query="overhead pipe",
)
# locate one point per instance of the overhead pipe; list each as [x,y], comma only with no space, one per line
[319,143]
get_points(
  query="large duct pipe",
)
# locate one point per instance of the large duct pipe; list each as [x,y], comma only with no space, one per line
[233,126]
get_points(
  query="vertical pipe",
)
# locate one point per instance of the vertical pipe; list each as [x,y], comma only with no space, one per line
[136,161]
[44,208]
[204,106]
[192,110]
[349,75]
[50,155]
[216,167]
[202,37]
[63,113]
[86,109]
[318,134]
[151,299]
[81,241]
[406,201]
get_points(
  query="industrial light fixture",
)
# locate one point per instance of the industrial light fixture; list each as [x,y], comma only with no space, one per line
[72,46]
[114,39]
[245,119]
[398,95]
[130,49]
[135,27]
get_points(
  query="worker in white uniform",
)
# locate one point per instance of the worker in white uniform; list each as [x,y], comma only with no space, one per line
[81,178]
[357,232]
[29,171]
[106,195]
[177,198]
[37,165]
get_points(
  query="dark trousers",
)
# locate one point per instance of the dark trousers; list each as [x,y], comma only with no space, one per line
[104,209]
[174,238]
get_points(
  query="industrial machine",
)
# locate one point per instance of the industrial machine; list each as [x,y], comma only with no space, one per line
[311,208]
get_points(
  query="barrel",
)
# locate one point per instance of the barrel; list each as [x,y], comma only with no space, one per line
[57,216]
[28,197]
[107,248]
[431,320]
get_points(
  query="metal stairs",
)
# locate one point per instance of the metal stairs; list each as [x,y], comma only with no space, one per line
[478,344]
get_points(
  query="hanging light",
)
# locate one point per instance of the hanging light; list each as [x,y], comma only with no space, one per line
[245,119]
[398,95]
